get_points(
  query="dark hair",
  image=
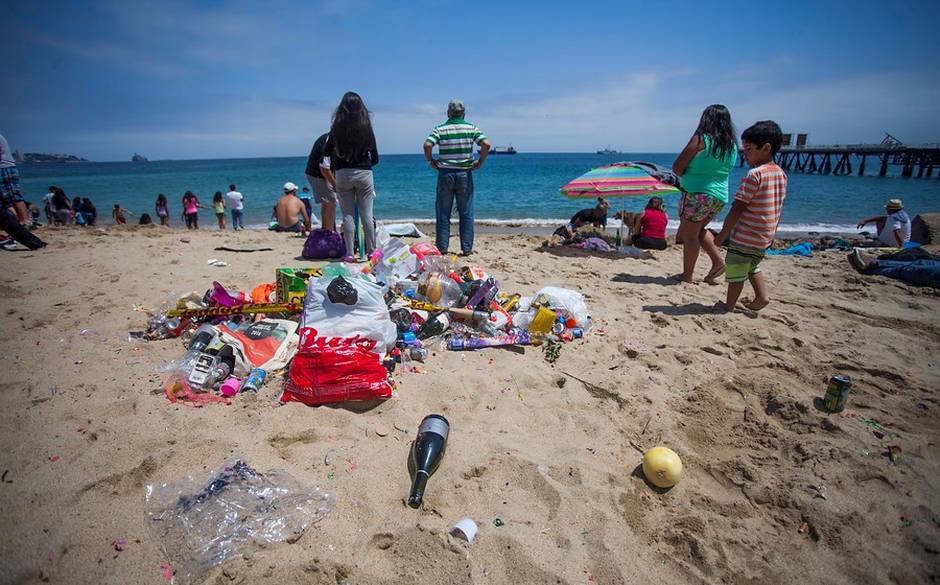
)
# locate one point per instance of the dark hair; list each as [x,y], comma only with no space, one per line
[764,132]
[76,201]
[655,203]
[161,199]
[231,187]
[188,194]
[716,123]
[117,205]
[145,219]
[52,188]
[352,130]
[217,197]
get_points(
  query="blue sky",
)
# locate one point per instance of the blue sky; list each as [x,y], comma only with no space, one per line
[242,79]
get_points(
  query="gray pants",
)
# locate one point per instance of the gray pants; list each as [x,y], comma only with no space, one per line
[352,186]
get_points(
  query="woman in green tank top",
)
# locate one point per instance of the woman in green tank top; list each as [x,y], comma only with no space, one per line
[704,165]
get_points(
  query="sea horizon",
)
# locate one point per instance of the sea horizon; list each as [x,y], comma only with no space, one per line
[510,189]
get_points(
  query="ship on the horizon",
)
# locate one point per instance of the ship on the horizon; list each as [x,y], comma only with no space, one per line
[608,151]
[139,158]
[501,150]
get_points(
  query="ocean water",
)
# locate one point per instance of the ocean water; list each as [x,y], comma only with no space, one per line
[522,188]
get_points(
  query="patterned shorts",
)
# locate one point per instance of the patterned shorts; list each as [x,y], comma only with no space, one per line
[741,262]
[699,207]
[10,191]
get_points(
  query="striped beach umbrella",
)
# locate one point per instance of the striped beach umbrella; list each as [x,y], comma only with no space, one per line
[622,179]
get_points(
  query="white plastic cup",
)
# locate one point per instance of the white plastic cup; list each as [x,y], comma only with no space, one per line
[466,528]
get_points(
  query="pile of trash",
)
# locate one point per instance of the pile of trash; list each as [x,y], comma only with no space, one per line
[340,331]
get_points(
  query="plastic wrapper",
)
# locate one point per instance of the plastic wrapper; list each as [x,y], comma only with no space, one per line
[201,523]
[394,261]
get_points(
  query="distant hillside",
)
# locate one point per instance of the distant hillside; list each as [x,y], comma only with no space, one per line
[42,157]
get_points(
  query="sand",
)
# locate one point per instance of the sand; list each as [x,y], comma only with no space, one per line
[85,427]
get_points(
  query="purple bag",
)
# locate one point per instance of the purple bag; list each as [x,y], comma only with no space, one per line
[324,244]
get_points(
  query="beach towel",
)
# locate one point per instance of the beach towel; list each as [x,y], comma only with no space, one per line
[403,230]
[801,249]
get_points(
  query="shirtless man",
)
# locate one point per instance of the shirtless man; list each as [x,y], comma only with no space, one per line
[289,209]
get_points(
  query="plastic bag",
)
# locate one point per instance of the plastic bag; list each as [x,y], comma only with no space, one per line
[203,523]
[569,300]
[341,346]
[324,244]
[268,344]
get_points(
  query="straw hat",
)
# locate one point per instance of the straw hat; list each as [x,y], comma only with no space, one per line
[894,205]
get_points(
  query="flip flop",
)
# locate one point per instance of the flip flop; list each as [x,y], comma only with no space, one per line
[713,274]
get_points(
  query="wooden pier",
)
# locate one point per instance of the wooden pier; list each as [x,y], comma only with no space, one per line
[837,159]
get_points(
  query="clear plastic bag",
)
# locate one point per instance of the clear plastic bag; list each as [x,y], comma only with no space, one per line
[203,523]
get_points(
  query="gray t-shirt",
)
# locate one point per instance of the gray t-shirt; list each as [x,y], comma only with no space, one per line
[6,157]
[899,220]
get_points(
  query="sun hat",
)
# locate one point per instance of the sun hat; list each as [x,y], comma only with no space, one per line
[288,187]
[894,205]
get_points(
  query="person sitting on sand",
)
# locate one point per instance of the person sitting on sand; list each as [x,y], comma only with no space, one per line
[596,216]
[118,214]
[894,228]
[89,212]
[914,266]
[647,228]
[289,209]
[751,224]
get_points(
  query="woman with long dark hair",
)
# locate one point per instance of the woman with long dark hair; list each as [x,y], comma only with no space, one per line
[352,153]
[191,210]
[704,165]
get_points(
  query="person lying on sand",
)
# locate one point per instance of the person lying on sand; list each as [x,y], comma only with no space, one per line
[289,210]
[915,266]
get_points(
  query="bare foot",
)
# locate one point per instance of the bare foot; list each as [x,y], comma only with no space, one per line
[757,304]
[721,308]
[713,274]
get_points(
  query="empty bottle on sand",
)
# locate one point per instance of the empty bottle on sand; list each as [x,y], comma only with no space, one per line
[426,454]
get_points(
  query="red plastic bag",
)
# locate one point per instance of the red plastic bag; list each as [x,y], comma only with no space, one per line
[335,369]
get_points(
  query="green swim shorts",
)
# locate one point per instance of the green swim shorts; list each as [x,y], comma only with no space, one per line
[741,261]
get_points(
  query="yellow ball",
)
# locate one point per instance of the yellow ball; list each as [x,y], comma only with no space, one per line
[662,467]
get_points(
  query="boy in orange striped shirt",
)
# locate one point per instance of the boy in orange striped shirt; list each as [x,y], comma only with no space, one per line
[752,222]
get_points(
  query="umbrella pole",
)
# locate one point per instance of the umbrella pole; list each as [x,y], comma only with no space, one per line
[619,229]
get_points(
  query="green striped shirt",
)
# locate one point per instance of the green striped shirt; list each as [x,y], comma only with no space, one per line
[455,139]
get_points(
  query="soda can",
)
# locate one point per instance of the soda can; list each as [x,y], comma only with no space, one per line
[254,381]
[837,393]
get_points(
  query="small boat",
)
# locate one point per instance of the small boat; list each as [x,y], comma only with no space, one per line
[608,151]
[139,158]
[501,150]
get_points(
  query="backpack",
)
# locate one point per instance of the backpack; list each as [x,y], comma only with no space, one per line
[324,244]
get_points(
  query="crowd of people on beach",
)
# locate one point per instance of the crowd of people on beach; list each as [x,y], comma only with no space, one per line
[339,172]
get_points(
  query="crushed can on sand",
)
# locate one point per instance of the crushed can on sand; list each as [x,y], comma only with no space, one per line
[837,393]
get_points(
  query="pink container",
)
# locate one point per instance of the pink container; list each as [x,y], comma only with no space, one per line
[230,387]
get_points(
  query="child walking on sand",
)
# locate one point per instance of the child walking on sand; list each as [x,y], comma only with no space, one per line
[752,222]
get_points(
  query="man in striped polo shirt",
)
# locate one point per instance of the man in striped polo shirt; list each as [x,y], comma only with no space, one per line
[455,165]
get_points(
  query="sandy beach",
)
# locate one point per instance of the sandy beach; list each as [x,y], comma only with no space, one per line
[774,489]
